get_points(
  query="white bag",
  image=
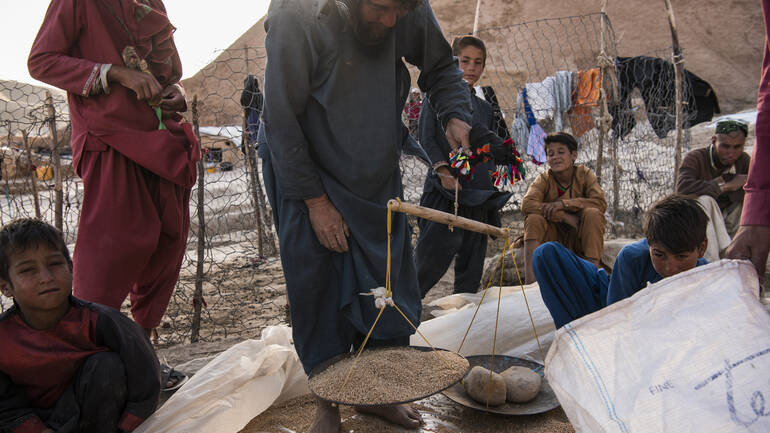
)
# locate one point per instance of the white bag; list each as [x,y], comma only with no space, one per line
[688,354]
[234,387]
[514,331]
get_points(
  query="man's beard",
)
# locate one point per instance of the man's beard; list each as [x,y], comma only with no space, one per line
[369,34]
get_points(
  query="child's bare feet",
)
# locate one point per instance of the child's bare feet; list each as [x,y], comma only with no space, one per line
[327,418]
[401,414]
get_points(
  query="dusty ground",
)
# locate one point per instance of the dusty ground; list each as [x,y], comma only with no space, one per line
[440,415]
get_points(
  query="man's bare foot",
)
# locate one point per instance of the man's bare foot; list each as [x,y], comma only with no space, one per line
[327,418]
[402,414]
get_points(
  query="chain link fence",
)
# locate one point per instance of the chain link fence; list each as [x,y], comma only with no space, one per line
[231,283]
[563,64]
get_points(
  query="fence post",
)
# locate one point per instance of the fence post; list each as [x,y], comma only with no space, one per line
[608,77]
[678,61]
[615,180]
[476,18]
[252,181]
[56,161]
[267,218]
[602,98]
[32,174]
[5,178]
[198,294]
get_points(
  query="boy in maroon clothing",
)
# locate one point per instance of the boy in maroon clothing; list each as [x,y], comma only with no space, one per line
[66,365]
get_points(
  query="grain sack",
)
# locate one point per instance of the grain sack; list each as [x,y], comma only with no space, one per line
[688,354]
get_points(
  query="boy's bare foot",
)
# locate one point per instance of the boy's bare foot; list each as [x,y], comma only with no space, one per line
[402,414]
[327,418]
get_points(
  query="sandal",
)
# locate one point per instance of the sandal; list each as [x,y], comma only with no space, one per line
[171,379]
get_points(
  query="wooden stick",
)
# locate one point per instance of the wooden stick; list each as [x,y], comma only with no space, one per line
[195,327]
[447,218]
[678,62]
[32,174]
[246,147]
[56,162]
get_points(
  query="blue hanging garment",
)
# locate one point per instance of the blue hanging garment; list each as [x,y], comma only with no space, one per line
[536,142]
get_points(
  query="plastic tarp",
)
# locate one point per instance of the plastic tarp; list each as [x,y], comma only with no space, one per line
[514,329]
[234,387]
[690,353]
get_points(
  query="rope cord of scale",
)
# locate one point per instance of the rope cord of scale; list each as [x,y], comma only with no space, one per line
[384,298]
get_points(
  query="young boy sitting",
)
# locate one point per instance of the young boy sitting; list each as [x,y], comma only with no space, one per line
[66,365]
[565,204]
[572,287]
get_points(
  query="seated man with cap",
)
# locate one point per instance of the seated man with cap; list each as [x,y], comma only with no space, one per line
[716,175]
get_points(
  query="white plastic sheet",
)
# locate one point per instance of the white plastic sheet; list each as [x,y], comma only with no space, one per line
[514,333]
[234,387]
[688,354]
[248,378]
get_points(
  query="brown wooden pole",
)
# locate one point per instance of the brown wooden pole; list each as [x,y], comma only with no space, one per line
[56,162]
[5,177]
[32,174]
[252,180]
[602,132]
[678,61]
[447,218]
[615,174]
[198,294]
[267,217]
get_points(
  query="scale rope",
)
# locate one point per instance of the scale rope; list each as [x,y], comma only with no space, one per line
[384,298]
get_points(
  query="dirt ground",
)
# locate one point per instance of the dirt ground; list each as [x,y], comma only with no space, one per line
[440,415]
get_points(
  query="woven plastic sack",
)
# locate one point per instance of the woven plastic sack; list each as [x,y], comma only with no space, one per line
[688,354]
[514,331]
[237,385]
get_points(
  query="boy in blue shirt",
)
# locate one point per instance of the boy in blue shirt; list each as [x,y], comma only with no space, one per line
[571,287]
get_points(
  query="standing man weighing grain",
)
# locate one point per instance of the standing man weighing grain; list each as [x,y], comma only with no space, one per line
[335,85]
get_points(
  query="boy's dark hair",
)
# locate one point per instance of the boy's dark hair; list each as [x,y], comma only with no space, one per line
[563,138]
[461,42]
[24,233]
[677,222]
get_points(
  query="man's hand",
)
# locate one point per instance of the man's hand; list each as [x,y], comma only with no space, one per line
[328,225]
[457,134]
[751,243]
[144,85]
[548,209]
[735,183]
[173,101]
[448,181]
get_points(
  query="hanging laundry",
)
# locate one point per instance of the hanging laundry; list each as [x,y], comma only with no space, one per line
[551,98]
[520,130]
[562,95]
[540,97]
[536,141]
[584,98]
